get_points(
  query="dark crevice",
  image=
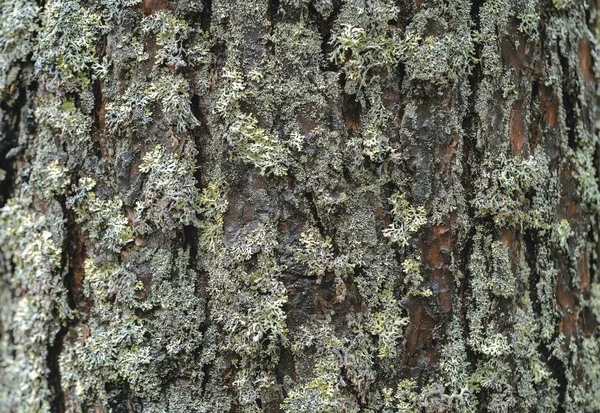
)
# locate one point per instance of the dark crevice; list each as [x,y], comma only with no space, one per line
[351,112]
[475,17]
[272,10]
[97,113]
[57,404]
[568,102]
[595,251]
[205,377]
[72,263]
[315,213]
[10,124]
[534,275]
[190,239]
[536,124]
[401,73]
[206,15]
[463,292]
[201,133]
[191,232]
[325,26]
[558,373]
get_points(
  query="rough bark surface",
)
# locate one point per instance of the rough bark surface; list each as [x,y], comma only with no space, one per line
[299,206]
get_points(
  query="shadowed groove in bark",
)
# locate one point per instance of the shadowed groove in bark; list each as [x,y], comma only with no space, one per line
[57,404]
[72,266]
[568,101]
[325,26]
[315,213]
[206,15]
[98,123]
[9,133]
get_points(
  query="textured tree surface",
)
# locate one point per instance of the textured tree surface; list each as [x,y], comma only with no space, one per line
[299,206]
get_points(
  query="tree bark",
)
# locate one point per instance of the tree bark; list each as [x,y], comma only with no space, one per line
[299,206]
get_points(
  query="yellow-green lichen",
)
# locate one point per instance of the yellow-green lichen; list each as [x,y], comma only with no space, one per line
[171,198]
[101,219]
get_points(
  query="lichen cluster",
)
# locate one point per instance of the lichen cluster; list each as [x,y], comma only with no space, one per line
[299,206]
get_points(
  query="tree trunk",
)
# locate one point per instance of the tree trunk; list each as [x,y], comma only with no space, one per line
[299,206]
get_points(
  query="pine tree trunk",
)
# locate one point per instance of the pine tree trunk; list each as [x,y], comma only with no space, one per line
[299,206]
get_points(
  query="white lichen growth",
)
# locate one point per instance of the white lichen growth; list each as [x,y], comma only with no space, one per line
[101,219]
[407,220]
[171,198]
[254,145]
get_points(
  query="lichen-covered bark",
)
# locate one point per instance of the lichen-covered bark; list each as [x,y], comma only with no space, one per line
[299,206]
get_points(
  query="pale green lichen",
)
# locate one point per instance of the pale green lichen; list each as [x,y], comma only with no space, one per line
[170,197]
[31,244]
[138,106]
[373,142]
[254,145]
[116,345]
[367,53]
[388,325]
[252,320]
[66,46]
[561,234]
[51,179]
[263,85]
[316,253]
[413,278]
[491,280]
[66,119]
[326,391]
[213,205]
[101,219]
[504,193]
[407,220]
[18,24]
[170,33]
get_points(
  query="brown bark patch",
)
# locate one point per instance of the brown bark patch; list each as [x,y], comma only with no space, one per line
[151,49]
[383,217]
[513,245]
[444,236]
[436,254]
[391,99]
[418,334]
[519,57]
[568,309]
[100,115]
[151,6]
[518,137]
[587,321]
[572,210]
[584,275]
[549,106]
[77,254]
[351,113]
[307,125]
[586,64]
[445,153]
